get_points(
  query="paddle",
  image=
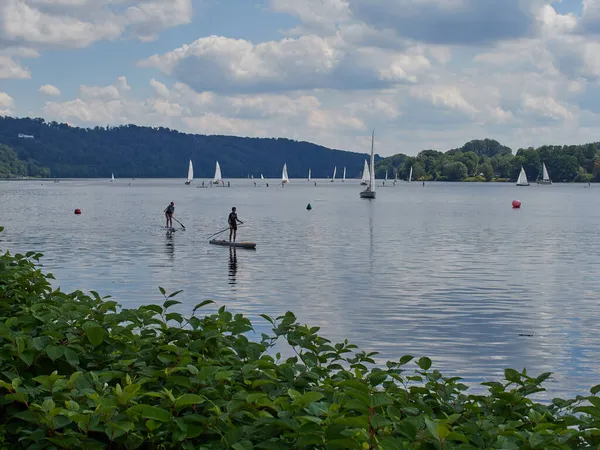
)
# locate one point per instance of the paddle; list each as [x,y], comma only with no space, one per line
[182,225]
[219,232]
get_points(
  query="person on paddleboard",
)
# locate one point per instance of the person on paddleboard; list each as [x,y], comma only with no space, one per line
[169,211]
[233,221]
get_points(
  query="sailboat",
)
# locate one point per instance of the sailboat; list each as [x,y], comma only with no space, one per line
[410,175]
[261,177]
[190,174]
[545,177]
[386,172]
[365,175]
[334,172]
[522,180]
[344,175]
[309,174]
[284,174]
[112,177]
[370,191]
[218,177]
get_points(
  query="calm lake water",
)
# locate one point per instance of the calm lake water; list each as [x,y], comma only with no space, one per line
[448,271]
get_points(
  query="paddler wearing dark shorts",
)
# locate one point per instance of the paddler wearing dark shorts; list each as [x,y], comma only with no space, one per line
[233,221]
[169,210]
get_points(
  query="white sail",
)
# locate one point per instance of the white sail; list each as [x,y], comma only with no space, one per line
[112,177]
[546,177]
[369,192]
[190,172]
[309,174]
[334,172]
[284,174]
[386,172]
[365,174]
[261,177]
[410,175]
[372,171]
[522,180]
[344,175]
[218,178]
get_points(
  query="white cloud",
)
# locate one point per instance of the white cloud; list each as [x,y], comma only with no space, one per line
[9,68]
[7,104]
[221,64]
[50,90]
[105,93]
[546,106]
[79,23]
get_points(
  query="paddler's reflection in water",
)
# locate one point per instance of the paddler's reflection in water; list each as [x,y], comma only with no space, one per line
[232,265]
[170,245]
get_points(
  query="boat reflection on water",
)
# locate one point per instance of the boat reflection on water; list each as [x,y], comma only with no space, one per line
[233,268]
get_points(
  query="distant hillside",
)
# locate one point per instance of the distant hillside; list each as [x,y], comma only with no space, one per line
[488,160]
[134,151]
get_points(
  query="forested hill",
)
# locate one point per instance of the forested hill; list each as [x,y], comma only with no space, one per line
[134,151]
[488,160]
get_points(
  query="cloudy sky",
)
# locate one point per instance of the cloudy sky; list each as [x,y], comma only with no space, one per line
[423,73]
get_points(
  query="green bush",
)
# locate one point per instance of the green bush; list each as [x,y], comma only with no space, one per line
[79,372]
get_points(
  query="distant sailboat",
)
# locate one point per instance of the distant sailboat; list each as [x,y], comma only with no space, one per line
[284,174]
[365,175]
[522,180]
[545,177]
[344,175]
[334,172]
[410,175]
[112,177]
[261,177]
[190,176]
[309,174]
[386,173]
[218,178]
[370,191]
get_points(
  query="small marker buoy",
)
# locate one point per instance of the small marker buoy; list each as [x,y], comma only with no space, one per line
[77,211]
[308,207]
[516,203]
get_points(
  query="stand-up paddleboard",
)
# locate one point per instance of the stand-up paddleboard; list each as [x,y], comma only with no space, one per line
[171,229]
[248,245]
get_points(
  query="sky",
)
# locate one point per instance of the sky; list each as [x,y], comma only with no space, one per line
[424,74]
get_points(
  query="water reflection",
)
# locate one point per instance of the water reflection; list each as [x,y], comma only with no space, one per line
[170,246]
[233,267]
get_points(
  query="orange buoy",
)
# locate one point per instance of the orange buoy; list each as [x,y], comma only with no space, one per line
[516,203]
[77,211]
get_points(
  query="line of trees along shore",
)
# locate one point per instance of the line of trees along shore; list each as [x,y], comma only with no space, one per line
[36,148]
[488,160]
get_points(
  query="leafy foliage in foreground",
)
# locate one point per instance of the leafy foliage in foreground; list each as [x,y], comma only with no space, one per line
[76,371]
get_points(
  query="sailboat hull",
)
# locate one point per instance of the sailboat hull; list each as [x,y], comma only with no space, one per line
[544,182]
[367,194]
[523,184]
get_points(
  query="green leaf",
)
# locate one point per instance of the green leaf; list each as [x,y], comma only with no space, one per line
[169,303]
[94,333]
[173,294]
[223,375]
[204,303]
[54,352]
[310,397]
[424,363]
[595,389]
[189,399]
[71,356]
[243,445]
[162,290]
[151,412]
[512,375]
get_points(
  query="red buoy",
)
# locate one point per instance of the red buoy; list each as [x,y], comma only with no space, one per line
[77,211]
[516,204]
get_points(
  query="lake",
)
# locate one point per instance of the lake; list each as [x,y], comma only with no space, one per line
[448,270]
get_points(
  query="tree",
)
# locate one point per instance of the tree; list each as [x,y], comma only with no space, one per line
[487,170]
